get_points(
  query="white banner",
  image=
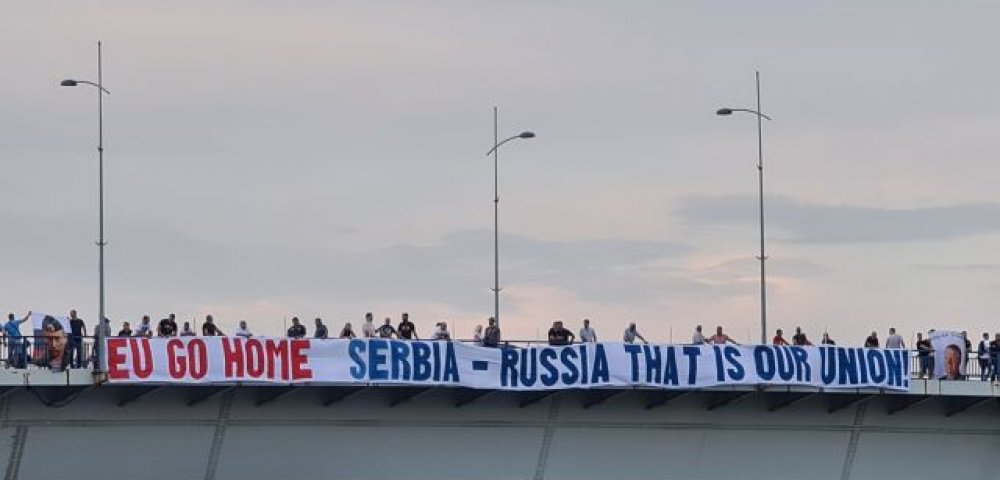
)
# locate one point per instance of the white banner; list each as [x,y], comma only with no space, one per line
[378,361]
[949,354]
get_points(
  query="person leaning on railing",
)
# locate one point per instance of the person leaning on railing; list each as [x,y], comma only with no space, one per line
[17,348]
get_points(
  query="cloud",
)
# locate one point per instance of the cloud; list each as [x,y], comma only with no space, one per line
[810,223]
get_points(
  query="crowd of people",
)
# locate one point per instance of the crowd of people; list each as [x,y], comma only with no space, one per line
[58,349]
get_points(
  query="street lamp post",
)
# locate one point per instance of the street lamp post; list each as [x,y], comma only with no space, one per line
[760,197]
[496,211]
[101,242]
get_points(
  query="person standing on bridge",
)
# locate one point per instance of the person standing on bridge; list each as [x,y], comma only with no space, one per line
[167,327]
[587,333]
[924,350]
[995,359]
[406,329]
[491,338]
[698,338]
[74,348]
[560,335]
[297,330]
[347,331]
[799,339]
[894,340]
[187,331]
[126,330]
[368,328]
[209,329]
[631,333]
[387,330]
[872,340]
[145,329]
[321,330]
[983,355]
[243,331]
[17,349]
[827,340]
[720,338]
[779,339]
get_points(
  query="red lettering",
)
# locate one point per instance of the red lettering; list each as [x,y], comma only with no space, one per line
[277,351]
[116,359]
[232,350]
[300,368]
[198,357]
[177,363]
[142,368]
[255,358]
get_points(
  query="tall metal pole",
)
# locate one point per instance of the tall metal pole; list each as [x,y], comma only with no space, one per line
[99,338]
[763,256]
[496,222]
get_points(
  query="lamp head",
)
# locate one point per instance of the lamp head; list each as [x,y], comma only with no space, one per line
[67,83]
[724,111]
[527,135]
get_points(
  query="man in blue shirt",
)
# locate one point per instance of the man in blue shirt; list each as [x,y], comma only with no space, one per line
[17,351]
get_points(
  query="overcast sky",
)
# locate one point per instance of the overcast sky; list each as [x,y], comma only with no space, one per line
[272,159]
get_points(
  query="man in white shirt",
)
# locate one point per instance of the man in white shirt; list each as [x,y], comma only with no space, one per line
[587,334]
[441,332]
[368,329]
[894,340]
[631,334]
[698,338]
[243,331]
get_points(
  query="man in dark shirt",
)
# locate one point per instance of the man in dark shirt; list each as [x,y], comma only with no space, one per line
[924,350]
[386,330]
[209,329]
[297,330]
[74,347]
[800,339]
[995,359]
[491,338]
[407,330]
[126,330]
[321,330]
[559,335]
[167,327]
[872,340]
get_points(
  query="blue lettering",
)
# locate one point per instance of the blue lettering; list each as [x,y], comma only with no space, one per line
[763,359]
[633,351]
[399,351]
[421,361]
[600,365]
[720,371]
[783,359]
[551,374]
[828,369]
[876,363]
[355,349]
[670,372]
[377,360]
[848,366]
[450,364]
[893,361]
[654,364]
[528,377]
[736,371]
[436,361]
[584,349]
[573,374]
[508,367]
[692,354]
[803,372]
